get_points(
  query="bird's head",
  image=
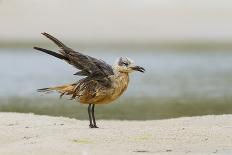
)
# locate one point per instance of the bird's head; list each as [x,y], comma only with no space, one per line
[126,65]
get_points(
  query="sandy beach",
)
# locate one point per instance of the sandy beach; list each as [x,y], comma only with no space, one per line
[34,134]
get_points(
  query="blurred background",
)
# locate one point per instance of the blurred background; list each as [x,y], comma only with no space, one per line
[185,46]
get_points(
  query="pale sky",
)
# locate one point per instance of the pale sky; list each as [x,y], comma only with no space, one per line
[117,20]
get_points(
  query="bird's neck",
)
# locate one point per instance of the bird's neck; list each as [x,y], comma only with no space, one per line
[124,75]
[121,78]
[122,81]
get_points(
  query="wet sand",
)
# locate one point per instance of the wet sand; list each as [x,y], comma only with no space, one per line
[34,134]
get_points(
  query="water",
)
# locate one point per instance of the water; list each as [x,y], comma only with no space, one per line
[171,78]
[168,74]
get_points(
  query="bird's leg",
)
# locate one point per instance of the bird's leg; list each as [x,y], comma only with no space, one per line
[93,116]
[90,118]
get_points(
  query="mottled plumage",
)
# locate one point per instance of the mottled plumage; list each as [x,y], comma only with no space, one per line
[102,83]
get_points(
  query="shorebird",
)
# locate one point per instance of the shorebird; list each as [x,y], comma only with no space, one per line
[102,83]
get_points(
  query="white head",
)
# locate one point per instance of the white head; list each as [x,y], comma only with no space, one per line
[126,65]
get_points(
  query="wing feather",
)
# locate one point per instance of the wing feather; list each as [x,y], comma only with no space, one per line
[89,66]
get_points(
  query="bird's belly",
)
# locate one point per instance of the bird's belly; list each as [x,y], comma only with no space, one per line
[104,97]
[101,98]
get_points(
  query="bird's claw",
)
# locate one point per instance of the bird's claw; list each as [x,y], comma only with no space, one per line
[90,125]
[93,126]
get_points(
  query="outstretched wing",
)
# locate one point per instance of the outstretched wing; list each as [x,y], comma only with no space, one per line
[88,66]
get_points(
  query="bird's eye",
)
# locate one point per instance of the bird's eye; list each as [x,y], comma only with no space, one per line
[125,64]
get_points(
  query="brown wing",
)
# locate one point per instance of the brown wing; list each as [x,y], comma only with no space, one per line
[88,66]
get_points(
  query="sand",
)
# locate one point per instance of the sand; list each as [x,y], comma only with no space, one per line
[34,134]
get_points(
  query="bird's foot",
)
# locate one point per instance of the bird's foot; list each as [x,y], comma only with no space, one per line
[93,126]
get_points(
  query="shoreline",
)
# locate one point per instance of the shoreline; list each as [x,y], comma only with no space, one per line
[38,134]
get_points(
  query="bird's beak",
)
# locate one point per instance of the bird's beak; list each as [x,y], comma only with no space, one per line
[138,68]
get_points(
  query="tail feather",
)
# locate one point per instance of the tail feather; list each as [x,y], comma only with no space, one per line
[43,90]
[64,89]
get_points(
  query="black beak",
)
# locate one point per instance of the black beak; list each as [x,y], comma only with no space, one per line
[138,68]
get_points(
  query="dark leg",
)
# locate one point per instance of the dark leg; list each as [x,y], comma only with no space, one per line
[93,116]
[90,118]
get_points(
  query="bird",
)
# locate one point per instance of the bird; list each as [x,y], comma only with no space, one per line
[101,83]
